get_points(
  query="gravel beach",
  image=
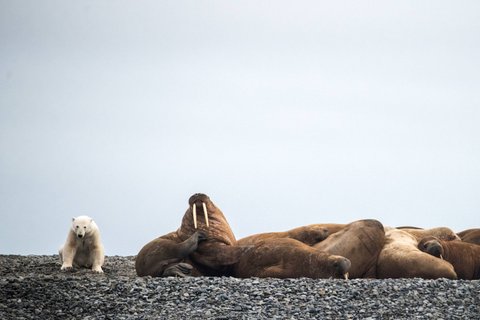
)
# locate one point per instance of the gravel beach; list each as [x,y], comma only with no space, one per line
[33,287]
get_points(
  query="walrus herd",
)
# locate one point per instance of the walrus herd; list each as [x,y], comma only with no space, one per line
[205,245]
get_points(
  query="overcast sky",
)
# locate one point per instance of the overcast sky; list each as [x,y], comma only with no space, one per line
[285,113]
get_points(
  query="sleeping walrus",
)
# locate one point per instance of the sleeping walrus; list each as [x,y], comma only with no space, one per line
[464,256]
[289,258]
[400,258]
[361,242]
[203,245]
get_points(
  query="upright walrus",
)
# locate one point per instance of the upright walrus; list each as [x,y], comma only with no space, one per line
[203,245]
[219,251]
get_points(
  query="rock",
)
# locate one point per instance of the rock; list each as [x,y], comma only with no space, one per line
[32,287]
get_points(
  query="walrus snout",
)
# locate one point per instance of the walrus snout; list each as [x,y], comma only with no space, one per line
[199,199]
[432,246]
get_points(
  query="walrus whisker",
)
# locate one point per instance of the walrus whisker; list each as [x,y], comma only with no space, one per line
[195,215]
[205,213]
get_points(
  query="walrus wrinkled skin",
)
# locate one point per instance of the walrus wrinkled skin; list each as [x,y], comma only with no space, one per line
[289,258]
[442,233]
[309,235]
[360,242]
[401,258]
[464,256]
[167,256]
[470,235]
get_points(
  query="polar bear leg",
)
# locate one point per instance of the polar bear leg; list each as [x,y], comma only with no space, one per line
[66,255]
[97,259]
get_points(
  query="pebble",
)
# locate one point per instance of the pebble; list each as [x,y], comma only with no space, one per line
[33,287]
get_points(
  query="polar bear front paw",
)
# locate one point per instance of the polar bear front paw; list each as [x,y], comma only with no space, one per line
[97,269]
[66,267]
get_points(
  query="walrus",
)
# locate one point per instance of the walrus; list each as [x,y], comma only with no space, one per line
[464,256]
[215,255]
[401,258]
[470,235]
[442,233]
[289,258]
[204,244]
[309,235]
[360,242]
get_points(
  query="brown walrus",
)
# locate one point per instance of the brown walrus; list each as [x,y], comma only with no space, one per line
[361,242]
[219,251]
[203,245]
[289,258]
[464,256]
[400,258]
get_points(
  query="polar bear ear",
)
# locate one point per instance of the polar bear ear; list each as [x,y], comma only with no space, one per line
[73,219]
[91,220]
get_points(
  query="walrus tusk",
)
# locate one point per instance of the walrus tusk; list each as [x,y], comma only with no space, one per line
[195,215]
[441,257]
[345,275]
[205,213]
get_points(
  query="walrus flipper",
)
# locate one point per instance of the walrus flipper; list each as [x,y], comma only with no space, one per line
[181,269]
[162,254]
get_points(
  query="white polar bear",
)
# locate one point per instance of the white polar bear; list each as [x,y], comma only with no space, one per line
[83,247]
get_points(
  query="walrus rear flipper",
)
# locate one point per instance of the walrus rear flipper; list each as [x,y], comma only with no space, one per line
[163,253]
[178,270]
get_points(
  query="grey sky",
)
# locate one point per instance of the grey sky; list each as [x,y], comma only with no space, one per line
[285,113]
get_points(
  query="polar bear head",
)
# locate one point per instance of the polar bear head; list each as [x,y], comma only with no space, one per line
[82,226]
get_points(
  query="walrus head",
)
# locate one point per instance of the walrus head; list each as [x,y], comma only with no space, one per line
[203,215]
[218,251]
[431,245]
[445,234]
[199,200]
[341,266]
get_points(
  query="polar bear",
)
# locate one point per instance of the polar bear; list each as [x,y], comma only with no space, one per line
[83,247]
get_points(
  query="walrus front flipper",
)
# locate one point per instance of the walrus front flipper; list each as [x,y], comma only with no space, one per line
[161,253]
